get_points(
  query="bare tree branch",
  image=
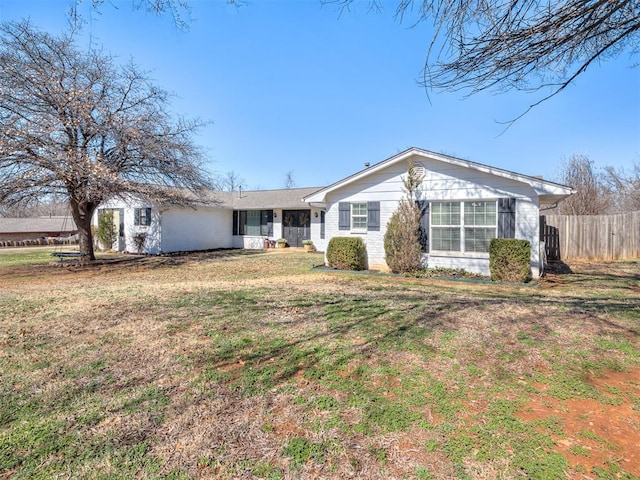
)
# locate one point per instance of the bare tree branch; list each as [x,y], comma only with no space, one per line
[593,196]
[77,124]
[229,181]
[526,45]
[626,187]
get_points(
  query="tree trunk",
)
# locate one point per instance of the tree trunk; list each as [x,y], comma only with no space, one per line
[82,213]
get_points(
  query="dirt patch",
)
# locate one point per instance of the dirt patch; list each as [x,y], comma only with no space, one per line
[596,434]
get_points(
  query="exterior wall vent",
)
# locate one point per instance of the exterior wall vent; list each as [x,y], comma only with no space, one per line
[419,169]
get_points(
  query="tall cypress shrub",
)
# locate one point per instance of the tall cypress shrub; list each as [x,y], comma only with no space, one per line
[107,232]
[403,252]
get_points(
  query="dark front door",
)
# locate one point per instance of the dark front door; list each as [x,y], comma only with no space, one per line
[296,226]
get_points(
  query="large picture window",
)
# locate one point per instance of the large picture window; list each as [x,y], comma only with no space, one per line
[463,226]
[258,223]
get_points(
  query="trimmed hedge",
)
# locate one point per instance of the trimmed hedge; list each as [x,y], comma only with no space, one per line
[347,253]
[510,260]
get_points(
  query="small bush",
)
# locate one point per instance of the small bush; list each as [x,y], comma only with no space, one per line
[139,240]
[510,260]
[347,253]
[441,272]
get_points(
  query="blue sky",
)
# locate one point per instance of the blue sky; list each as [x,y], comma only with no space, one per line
[294,86]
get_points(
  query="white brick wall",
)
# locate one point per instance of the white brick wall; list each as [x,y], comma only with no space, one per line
[442,182]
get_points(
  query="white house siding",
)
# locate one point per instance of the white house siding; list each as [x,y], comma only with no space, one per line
[316,227]
[186,229]
[442,181]
[128,207]
[248,242]
[385,187]
[451,182]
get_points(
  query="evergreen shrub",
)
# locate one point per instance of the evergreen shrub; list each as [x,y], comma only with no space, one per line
[347,253]
[403,252]
[107,230]
[510,260]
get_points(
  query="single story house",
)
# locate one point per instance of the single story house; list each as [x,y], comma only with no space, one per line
[36,228]
[464,205]
[243,219]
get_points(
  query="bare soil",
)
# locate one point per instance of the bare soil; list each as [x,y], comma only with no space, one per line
[607,433]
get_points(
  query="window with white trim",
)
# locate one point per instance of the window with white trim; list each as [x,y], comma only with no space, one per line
[480,225]
[359,216]
[465,226]
[142,216]
[445,226]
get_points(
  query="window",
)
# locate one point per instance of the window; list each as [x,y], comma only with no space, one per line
[359,216]
[266,223]
[480,225]
[445,226]
[252,222]
[258,223]
[463,226]
[142,216]
[322,224]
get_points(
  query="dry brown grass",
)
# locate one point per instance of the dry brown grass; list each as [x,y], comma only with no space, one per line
[151,351]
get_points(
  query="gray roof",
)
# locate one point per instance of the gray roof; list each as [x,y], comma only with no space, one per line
[252,199]
[264,199]
[37,225]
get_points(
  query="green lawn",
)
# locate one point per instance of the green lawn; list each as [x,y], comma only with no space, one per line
[11,257]
[252,365]
[30,256]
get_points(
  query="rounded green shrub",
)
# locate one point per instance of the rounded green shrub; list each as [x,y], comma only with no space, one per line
[347,253]
[510,260]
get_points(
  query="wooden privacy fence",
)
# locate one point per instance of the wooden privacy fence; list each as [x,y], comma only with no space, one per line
[591,237]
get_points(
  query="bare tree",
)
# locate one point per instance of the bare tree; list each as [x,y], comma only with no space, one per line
[496,45]
[592,196]
[524,45]
[179,10]
[76,124]
[289,182]
[626,187]
[56,205]
[229,181]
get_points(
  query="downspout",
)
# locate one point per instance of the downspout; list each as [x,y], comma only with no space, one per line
[552,206]
[160,211]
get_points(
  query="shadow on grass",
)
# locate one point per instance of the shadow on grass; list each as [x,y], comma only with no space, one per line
[349,327]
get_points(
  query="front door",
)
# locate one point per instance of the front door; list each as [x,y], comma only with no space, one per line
[296,226]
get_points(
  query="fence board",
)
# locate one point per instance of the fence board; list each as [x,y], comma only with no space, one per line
[591,237]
